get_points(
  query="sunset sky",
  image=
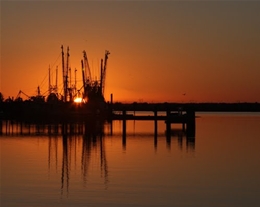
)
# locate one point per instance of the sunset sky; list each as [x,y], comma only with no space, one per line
[160,50]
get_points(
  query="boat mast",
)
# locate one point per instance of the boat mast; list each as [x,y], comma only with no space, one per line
[64,77]
[75,86]
[49,79]
[56,87]
[67,76]
[103,72]
[83,78]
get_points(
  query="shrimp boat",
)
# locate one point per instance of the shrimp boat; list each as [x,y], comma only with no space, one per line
[72,104]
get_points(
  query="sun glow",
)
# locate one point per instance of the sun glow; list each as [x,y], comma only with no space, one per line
[78,100]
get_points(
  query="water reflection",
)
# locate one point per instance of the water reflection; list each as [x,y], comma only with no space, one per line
[93,130]
[86,146]
[65,164]
[94,142]
[181,136]
[175,133]
[80,147]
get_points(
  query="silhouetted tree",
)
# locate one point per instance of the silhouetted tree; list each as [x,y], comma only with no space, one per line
[1,97]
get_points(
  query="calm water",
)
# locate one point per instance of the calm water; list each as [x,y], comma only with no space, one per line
[220,167]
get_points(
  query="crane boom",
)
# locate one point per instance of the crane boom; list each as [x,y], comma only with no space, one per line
[104,71]
[86,65]
[93,89]
[83,76]
[21,92]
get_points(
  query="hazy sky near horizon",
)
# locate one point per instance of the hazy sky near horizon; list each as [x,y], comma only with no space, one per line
[160,50]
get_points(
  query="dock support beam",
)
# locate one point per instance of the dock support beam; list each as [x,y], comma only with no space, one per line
[183,127]
[168,122]
[155,128]
[155,122]
[1,127]
[124,128]
[191,123]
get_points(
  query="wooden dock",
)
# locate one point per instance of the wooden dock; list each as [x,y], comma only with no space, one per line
[69,112]
[186,118]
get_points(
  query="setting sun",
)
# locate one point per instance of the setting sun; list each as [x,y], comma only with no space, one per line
[78,100]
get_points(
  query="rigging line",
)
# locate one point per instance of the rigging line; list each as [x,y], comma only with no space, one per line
[44,82]
[53,73]
[44,79]
[61,92]
[45,92]
[56,61]
[51,77]
[61,89]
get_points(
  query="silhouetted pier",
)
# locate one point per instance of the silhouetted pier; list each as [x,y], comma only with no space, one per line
[172,115]
[44,113]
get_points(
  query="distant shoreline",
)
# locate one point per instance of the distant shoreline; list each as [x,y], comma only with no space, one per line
[197,107]
[70,111]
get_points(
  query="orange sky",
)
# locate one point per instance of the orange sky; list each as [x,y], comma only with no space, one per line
[159,50]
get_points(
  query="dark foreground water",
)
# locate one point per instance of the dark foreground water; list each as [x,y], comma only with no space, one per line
[220,167]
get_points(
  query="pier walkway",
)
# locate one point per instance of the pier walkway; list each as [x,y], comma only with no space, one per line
[172,116]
